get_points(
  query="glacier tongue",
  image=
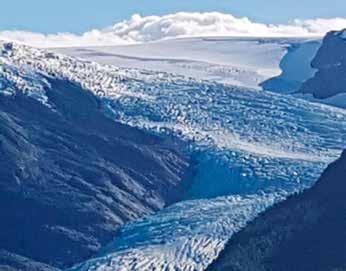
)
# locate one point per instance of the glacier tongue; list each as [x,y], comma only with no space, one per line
[253,148]
[186,236]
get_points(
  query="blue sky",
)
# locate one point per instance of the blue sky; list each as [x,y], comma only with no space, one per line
[50,16]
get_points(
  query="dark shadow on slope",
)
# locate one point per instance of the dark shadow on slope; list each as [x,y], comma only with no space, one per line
[12,262]
[70,178]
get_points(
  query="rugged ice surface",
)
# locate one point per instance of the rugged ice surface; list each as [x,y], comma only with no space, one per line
[253,149]
[186,236]
[275,64]
[237,61]
[253,146]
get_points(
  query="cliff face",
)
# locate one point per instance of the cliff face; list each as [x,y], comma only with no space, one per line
[295,66]
[70,176]
[306,232]
[330,61]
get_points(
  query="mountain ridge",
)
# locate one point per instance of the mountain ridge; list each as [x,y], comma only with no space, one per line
[330,62]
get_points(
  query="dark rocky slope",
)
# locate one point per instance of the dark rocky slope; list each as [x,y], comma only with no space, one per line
[13,262]
[330,61]
[305,233]
[69,177]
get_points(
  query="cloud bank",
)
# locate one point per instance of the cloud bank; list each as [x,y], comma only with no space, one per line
[153,28]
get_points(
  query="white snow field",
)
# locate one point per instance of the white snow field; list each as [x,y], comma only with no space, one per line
[252,149]
[237,61]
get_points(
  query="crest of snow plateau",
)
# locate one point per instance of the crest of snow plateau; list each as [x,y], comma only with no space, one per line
[140,29]
[237,61]
[253,148]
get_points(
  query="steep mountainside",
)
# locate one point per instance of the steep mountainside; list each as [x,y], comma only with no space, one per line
[305,233]
[13,262]
[330,60]
[70,176]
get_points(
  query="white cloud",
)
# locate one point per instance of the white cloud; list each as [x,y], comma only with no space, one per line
[94,37]
[152,28]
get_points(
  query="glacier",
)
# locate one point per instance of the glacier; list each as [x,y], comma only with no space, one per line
[253,148]
[238,61]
